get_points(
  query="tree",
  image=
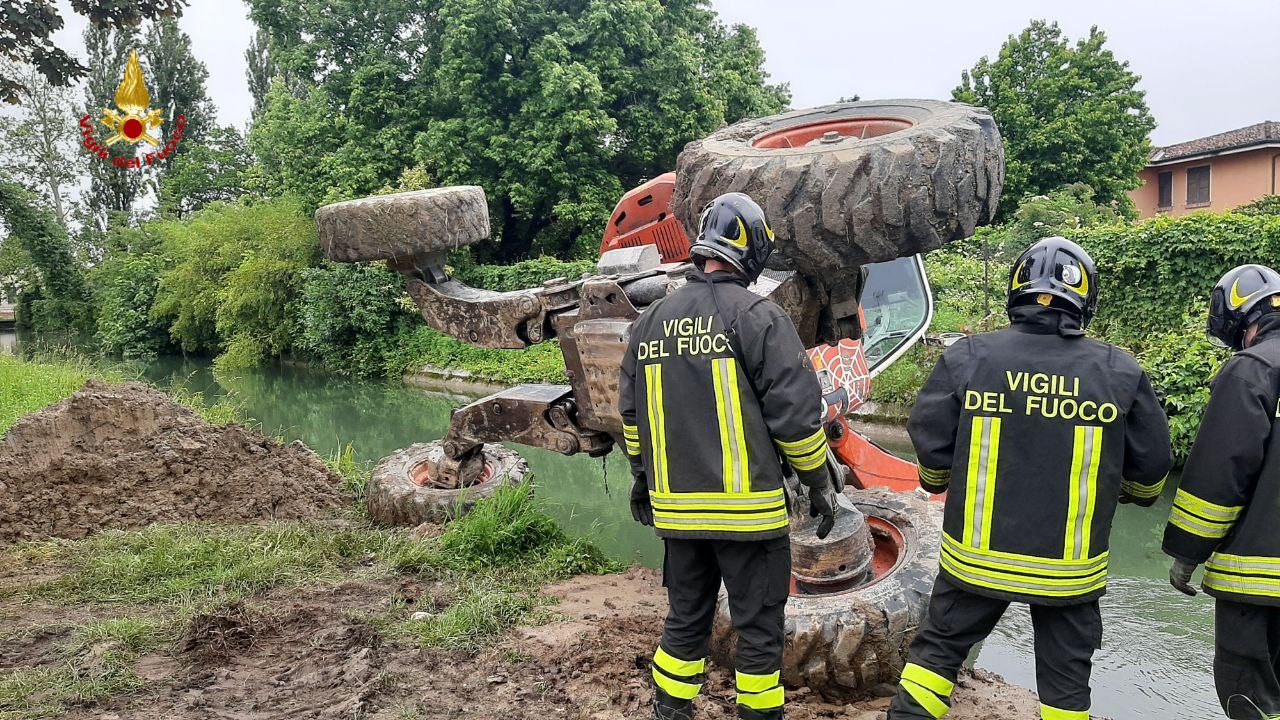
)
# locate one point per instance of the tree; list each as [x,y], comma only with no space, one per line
[259,70]
[112,190]
[42,148]
[58,300]
[178,83]
[553,106]
[1068,114]
[218,169]
[27,27]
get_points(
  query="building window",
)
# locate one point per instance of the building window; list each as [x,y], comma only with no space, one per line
[1198,186]
[1165,182]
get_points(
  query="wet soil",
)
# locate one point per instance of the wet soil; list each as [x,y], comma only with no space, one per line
[125,456]
[321,652]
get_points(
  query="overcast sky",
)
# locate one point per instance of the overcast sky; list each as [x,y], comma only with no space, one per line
[1206,66]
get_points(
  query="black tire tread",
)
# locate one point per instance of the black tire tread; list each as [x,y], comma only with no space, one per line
[394,500]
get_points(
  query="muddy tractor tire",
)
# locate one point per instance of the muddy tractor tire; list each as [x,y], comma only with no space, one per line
[404,224]
[396,500]
[854,183]
[841,644]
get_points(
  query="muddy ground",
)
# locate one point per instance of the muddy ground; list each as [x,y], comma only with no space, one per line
[126,456]
[319,653]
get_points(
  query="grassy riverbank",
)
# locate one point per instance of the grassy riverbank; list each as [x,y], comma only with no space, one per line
[93,613]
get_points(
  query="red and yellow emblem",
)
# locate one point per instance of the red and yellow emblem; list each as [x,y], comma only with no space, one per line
[133,121]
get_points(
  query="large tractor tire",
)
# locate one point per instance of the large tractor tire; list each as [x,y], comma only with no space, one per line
[400,495]
[855,183]
[384,227]
[841,644]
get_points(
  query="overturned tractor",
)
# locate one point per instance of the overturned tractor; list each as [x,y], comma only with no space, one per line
[855,192]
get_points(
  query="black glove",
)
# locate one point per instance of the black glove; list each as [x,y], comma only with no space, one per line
[1127,499]
[1180,577]
[641,510]
[820,505]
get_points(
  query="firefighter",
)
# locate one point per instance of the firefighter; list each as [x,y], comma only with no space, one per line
[716,389]
[1228,504]
[1044,431]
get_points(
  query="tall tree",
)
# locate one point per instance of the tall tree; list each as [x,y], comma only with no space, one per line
[178,82]
[1068,114]
[27,28]
[554,106]
[259,70]
[112,190]
[42,148]
[58,299]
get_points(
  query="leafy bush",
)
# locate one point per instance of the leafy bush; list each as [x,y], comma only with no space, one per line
[524,274]
[1267,205]
[126,286]
[1180,365]
[1152,271]
[236,278]
[347,308]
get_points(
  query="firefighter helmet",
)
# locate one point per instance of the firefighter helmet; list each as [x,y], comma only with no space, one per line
[1237,302]
[733,229]
[1058,273]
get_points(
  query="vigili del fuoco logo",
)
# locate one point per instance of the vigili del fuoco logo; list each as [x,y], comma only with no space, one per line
[132,121]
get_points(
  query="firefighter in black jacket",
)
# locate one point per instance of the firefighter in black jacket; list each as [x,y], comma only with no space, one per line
[715,386]
[1037,432]
[1227,508]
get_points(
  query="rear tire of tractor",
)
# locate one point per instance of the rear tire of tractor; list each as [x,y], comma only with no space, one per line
[842,644]
[405,224]
[836,206]
[394,499]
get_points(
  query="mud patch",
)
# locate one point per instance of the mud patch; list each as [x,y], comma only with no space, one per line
[125,456]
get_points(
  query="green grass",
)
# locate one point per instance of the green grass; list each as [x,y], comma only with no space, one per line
[413,348]
[195,565]
[488,608]
[96,664]
[28,386]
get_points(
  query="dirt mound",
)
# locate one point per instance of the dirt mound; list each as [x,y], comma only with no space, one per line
[124,456]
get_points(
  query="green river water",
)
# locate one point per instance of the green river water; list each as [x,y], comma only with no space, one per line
[1158,645]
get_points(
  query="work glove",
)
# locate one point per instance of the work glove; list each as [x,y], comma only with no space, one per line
[641,509]
[1180,577]
[822,504]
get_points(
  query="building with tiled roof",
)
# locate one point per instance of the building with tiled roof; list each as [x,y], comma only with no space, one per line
[1218,172]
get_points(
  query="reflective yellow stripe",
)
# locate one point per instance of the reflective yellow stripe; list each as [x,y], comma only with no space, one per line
[935,476]
[980,495]
[657,426]
[720,524]
[1205,509]
[1197,526]
[676,666]
[927,700]
[928,679]
[1014,562]
[631,439]
[1243,574]
[733,439]
[756,683]
[1020,584]
[746,498]
[1083,491]
[767,700]
[808,453]
[1048,712]
[1142,492]
[676,688]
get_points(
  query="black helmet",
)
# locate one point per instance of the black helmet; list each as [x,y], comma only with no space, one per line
[1058,273]
[1236,302]
[733,229]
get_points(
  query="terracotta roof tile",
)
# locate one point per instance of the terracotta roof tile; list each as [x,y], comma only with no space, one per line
[1258,134]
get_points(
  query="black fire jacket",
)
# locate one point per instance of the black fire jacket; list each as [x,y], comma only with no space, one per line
[1227,508]
[1035,431]
[715,385]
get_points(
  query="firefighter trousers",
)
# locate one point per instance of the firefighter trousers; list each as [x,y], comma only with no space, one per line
[1246,659]
[1065,638]
[757,577]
